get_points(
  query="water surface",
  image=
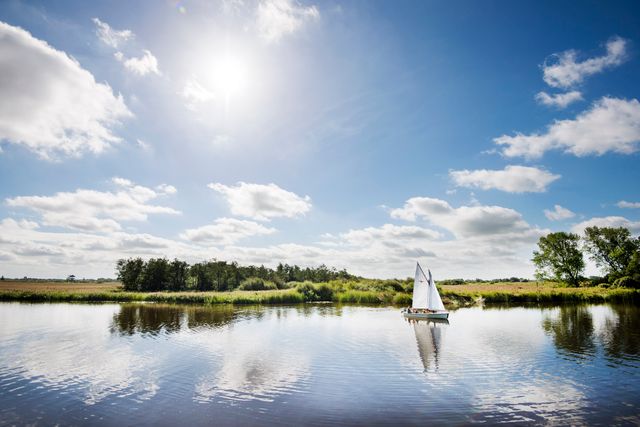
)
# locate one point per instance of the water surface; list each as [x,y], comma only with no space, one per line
[132,364]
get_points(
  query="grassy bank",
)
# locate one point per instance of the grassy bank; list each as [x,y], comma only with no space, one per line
[519,292]
[369,292]
[353,292]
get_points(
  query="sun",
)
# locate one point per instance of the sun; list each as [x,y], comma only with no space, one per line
[232,75]
[229,76]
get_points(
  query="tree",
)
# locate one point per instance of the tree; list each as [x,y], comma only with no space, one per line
[559,257]
[130,272]
[178,271]
[155,276]
[612,249]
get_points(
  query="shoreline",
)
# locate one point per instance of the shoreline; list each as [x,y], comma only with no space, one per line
[454,296]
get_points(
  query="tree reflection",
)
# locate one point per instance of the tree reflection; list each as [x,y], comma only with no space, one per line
[156,318]
[621,336]
[572,330]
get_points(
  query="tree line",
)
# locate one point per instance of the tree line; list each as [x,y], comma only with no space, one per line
[560,256]
[161,274]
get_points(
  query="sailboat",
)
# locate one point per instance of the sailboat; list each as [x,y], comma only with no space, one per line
[427,303]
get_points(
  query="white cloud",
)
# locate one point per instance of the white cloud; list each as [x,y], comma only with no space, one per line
[226,231]
[559,100]
[611,124]
[390,233]
[277,18]
[90,210]
[565,71]
[109,36]
[141,66]
[166,189]
[628,205]
[195,94]
[49,103]
[558,213]
[421,206]
[513,179]
[607,221]
[262,202]
[467,221]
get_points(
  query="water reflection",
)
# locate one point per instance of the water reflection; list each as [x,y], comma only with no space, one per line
[161,318]
[572,330]
[159,364]
[429,338]
[621,335]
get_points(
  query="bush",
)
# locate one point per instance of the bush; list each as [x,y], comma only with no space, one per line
[257,284]
[626,282]
[394,284]
[324,292]
[315,292]
[402,299]
[307,290]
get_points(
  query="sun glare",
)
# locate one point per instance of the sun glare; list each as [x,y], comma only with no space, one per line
[230,76]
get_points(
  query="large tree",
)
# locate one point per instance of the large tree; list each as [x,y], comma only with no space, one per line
[559,257]
[612,249]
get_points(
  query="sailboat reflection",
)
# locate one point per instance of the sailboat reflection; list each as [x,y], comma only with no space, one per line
[429,334]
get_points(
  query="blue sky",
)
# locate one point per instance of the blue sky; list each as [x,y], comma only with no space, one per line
[362,135]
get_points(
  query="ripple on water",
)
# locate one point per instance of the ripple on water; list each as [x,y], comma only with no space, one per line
[315,365]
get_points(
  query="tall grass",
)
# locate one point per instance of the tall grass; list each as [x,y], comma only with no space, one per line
[341,291]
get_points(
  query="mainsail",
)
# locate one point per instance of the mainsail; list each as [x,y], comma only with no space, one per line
[425,293]
[420,289]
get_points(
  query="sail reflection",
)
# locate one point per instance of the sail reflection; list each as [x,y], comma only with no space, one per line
[429,335]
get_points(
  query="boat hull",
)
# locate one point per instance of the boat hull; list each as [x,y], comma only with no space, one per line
[436,315]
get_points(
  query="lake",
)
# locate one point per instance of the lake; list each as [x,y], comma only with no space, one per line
[132,364]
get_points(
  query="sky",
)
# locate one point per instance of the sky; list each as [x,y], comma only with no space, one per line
[358,134]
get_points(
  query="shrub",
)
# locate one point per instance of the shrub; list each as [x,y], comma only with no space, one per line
[394,284]
[626,282]
[402,299]
[256,284]
[307,290]
[324,292]
[315,292]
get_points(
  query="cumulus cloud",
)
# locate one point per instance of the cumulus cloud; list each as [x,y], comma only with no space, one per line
[558,100]
[262,202]
[49,103]
[558,213]
[277,18]
[141,66]
[607,221]
[390,233]
[90,210]
[513,179]
[611,124]
[109,36]
[226,231]
[563,70]
[466,221]
[195,94]
[628,205]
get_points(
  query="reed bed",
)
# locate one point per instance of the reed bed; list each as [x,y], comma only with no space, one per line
[339,291]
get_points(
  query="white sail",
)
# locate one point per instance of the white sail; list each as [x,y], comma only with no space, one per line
[434,300]
[420,289]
